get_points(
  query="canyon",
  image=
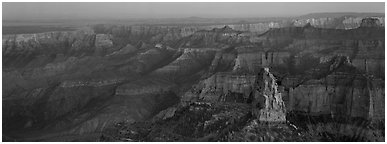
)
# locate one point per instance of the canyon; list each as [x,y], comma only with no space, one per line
[223,82]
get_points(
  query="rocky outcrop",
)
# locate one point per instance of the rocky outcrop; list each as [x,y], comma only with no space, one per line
[267,104]
[261,90]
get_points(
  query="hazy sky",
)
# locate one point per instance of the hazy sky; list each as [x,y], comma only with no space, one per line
[39,10]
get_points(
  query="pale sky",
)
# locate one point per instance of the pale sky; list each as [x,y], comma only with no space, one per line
[119,10]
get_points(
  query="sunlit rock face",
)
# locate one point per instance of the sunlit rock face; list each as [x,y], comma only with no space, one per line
[267,104]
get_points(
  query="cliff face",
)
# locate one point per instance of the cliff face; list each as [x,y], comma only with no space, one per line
[337,95]
[222,87]
[252,58]
[345,22]
[344,92]
[319,43]
[267,104]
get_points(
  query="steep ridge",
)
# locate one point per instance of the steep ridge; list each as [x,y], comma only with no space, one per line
[268,105]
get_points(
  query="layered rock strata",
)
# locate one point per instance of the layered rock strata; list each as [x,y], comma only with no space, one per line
[267,104]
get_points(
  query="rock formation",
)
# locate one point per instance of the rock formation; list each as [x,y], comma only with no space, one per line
[267,104]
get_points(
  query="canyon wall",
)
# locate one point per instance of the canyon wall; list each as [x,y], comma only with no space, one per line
[345,22]
[251,59]
[98,77]
[267,104]
[339,94]
[218,86]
